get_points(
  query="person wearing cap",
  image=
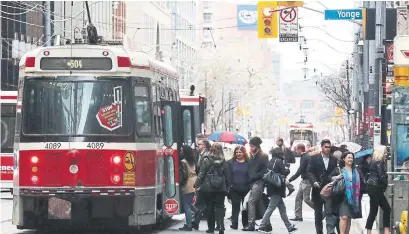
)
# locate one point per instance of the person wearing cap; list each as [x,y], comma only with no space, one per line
[257,168]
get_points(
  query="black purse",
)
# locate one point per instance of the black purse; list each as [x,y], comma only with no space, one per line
[338,187]
[273,178]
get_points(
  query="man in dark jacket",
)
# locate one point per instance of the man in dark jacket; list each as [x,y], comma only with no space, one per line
[305,186]
[257,168]
[320,166]
[276,195]
[289,157]
[204,147]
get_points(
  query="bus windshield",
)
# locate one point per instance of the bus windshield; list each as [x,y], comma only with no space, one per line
[77,107]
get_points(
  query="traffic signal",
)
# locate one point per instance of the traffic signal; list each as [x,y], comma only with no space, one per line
[267,20]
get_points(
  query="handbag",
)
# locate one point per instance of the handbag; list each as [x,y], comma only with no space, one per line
[338,187]
[273,178]
[326,192]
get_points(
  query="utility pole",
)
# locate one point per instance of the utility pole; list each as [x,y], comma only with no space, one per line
[372,78]
[349,94]
[47,23]
[366,57]
[380,37]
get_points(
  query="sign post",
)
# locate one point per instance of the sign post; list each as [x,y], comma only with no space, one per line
[288,31]
[343,14]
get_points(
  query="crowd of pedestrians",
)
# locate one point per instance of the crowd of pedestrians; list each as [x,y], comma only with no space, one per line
[331,184]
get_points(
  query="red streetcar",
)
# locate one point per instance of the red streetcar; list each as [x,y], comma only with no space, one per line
[8,101]
[97,138]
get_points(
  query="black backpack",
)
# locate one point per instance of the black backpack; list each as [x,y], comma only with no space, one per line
[184,173]
[216,176]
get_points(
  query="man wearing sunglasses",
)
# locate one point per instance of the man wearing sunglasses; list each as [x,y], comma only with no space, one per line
[319,168]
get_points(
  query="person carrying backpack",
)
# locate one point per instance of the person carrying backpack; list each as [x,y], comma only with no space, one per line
[188,179]
[213,182]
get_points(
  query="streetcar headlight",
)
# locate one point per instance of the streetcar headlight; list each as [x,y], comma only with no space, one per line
[34,179]
[116,159]
[74,169]
[116,178]
[34,159]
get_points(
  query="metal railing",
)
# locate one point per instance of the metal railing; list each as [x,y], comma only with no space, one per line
[395,224]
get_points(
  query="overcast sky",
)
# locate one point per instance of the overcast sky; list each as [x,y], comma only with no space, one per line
[320,56]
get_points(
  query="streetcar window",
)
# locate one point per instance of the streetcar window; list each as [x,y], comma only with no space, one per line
[77,107]
[8,118]
[143,111]
[168,126]
[170,186]
[187,127]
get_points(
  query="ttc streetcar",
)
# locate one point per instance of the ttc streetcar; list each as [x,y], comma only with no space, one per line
[97,138]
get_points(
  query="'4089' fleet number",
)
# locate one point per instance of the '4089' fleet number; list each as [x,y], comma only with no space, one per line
[52,145]
[95,145]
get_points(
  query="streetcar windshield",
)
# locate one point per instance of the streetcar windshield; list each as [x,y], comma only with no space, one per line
[299,135]
[77,107]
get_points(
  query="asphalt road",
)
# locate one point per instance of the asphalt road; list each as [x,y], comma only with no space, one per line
[307,226]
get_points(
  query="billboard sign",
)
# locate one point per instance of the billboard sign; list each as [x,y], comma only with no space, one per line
[247,17]
[402,145]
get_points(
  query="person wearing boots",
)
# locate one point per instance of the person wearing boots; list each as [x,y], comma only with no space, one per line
[239,166]
[204,147]
[304,190]
[214,181]
[276,194]
[257,168]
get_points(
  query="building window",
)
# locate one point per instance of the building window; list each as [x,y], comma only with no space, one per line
[207,17]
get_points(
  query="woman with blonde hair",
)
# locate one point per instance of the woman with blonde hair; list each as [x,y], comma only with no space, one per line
[376,187]
[239,172]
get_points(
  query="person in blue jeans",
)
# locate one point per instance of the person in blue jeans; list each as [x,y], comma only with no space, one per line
[188,189]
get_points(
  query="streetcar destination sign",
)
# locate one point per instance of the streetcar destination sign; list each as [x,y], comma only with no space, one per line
[343,14]
[54,63]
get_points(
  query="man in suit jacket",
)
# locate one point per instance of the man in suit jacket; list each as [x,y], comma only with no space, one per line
[319,168]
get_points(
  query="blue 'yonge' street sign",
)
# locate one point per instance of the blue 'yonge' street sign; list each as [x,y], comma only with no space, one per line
[343,14]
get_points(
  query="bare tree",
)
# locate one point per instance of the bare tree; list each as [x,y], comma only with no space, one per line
[219,73]
[337,89]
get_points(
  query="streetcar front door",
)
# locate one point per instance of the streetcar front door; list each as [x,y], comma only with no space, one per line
[171,138]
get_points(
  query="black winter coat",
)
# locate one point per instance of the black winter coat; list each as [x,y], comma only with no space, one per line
[203,182]
[276,164]
[302,169]
[377,175]
[257,167]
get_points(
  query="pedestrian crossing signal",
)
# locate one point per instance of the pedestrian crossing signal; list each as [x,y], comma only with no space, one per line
[267,20]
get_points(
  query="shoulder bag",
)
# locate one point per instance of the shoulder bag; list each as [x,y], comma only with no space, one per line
[272,178]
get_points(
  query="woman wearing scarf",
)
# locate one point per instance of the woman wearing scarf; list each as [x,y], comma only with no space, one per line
[349,206]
